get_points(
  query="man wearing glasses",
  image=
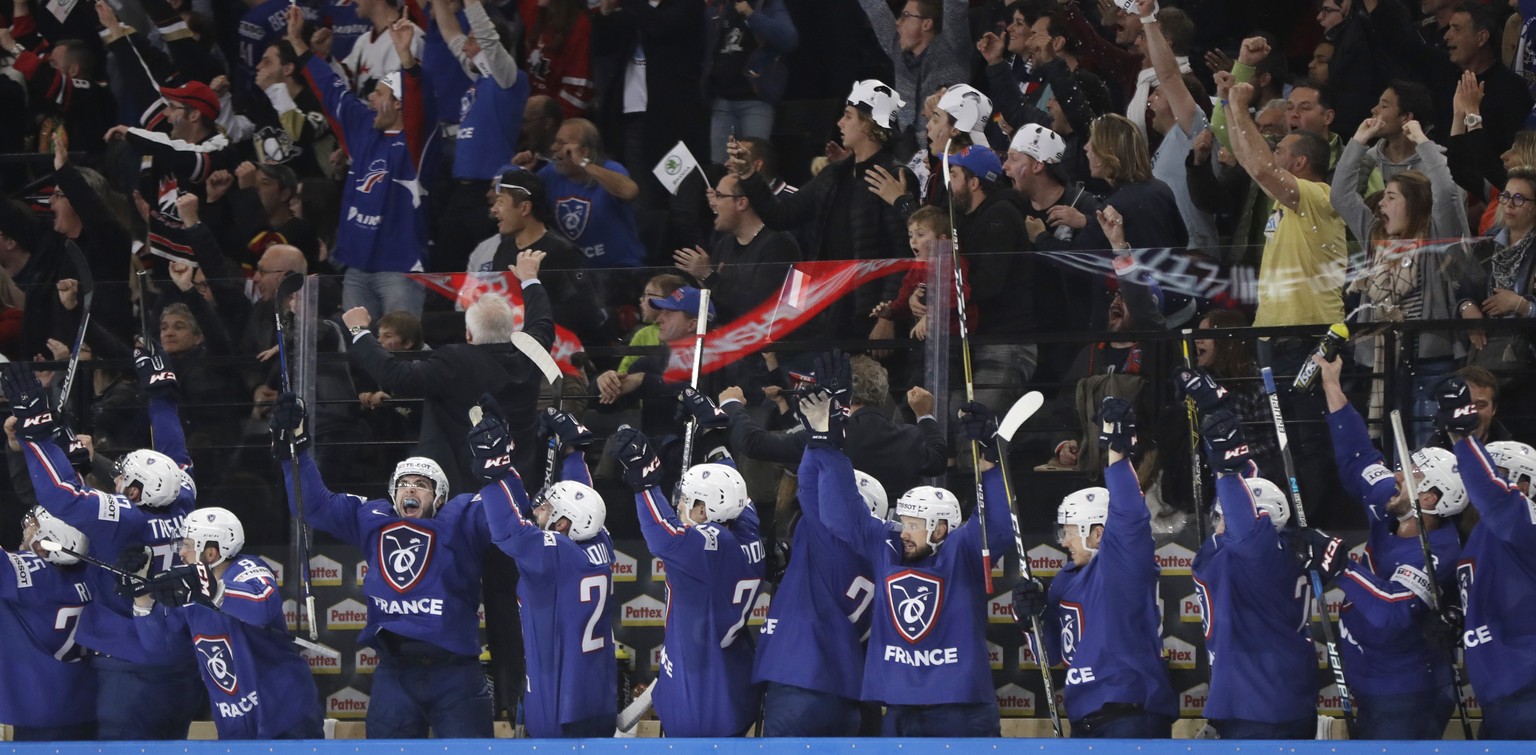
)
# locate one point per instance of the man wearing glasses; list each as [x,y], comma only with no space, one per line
[749,260]
[928,45]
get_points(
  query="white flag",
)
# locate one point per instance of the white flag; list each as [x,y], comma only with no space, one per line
[675,166]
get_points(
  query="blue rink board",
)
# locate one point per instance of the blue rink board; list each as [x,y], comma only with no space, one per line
[715,747]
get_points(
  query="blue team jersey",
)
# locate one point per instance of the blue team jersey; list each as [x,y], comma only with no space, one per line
[1254,607]
[1384,648]
[806,642]
[384,224]
[259,687]
[1106,612]
[705,688]
[600,224]
[563,596]
[263,25]
[1497,577]
[449,82]
[345,25]
[44,680]
[927,637]
[112,523]
[423,574]
[490,123]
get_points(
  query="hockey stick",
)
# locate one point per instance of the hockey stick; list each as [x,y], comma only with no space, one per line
[86,285]
[635,710]
[970,382]
[1335,662]
[53,547]
[290,284]
[1405,458]
[142,276]
[1020,412]
[698,362]
[1196,479]
[546,364]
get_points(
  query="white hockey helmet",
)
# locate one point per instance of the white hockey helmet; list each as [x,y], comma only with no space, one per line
[54,529]
[1515,461]
[873,494]
[157,476]
[1269,499]
[718,486]
[878,99]
[1082,510]
[218,526]
[970,109]
[578,503]
[1439,469]
[932,505]
[422,467]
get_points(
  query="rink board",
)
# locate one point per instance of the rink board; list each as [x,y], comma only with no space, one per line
[715,747]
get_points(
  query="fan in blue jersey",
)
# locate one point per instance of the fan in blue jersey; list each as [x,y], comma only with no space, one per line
[259,687]
[1401,683]
[812,668]
[565,558]
[714,561]
[1497,589]
[424,554]
[1254,604]
[45,676]
[1105,601]
[142,693]
[927,657]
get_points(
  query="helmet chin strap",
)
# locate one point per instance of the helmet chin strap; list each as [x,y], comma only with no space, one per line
[1082,537]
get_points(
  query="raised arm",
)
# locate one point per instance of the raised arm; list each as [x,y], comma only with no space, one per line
[1254,154]
[1170,80]
[503,67]
[1344,194]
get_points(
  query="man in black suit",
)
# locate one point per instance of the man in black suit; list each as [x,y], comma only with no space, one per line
[454,377]
[896,455]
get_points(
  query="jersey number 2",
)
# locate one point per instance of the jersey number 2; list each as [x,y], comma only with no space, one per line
[594,589]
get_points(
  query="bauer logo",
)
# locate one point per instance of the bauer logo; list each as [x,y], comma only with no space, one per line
[324,572]
[658,570]
[625,568]
[1175,560]
[1180,654]
[915,600]
[321,664]
[1014,701]
[644,611]
[360,572]
[405,552]
[1000,609]
[995,656]
[1192,700]
[365,661]
[1045,561]
[347,703]
[218,660]
[348,614]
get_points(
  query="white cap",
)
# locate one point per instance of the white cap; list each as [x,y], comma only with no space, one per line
[392,80]
[970,109]
[1038,142]
[880,98]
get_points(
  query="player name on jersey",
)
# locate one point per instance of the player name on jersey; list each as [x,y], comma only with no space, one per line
[1045,561]
[1175,560]
[643,611]
[324,571]
[348,614]
[625,567]
[347,703]
[1014,701]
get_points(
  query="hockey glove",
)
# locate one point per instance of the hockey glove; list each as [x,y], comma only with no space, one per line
[134,560]
[1457,413]
[184,585]
[814,409]
[288,425]
[490,442]
[979,425]
[75,449]
[35,418]
[642,468]
[566,427]
[1225,445]
[1317,551]
[1117,425]
[155,374]
[1443,630]
[1029,599]
[1200,386]
[702,410]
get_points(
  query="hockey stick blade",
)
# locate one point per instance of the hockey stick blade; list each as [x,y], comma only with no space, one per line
[292,281]
[83,274]
[475,413]
[538,355]
[1020,413]
[632,712]
[318,649]
[53,547]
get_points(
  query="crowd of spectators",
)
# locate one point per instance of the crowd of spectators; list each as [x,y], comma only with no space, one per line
[1107,168]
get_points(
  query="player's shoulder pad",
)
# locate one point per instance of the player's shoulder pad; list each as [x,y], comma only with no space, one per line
[711,534]
[1375,473]
[109,507]
[26,563]
[251,569]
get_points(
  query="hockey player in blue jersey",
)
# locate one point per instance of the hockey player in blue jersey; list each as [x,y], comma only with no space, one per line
[424,554]
[565,558]
[927,657]
[1498,592]
[45,675]
[259,687]
[142,693]
[714,561]
[1401,684]
[1254,598]
[1105,600]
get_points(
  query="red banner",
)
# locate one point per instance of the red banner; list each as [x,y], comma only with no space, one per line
[464,289]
